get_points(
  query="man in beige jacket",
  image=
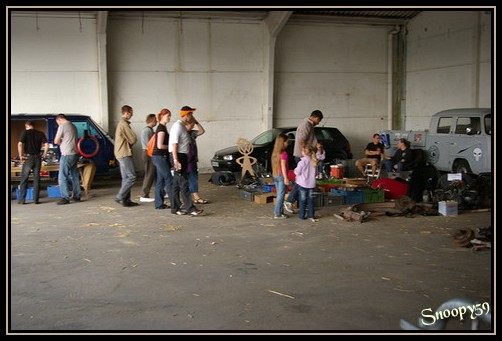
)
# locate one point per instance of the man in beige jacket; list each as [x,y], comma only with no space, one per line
[125,138]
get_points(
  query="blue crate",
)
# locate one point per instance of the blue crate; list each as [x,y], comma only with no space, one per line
[53,192]
[354,197]
[29,193]
[338,192]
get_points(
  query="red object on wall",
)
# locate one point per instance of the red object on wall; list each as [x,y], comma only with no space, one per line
[393,188]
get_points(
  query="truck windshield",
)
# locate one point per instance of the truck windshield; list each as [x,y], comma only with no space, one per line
[488,124]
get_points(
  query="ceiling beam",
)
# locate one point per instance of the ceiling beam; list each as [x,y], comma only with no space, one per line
[276,20]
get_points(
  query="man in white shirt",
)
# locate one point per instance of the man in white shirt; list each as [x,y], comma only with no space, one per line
[179,143]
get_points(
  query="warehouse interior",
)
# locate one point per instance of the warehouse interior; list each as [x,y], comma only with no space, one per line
[95,267]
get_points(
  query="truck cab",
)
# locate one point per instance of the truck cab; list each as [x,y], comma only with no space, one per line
[458,140]
[94,143]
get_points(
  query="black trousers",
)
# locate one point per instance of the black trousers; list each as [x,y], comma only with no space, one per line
[33,162]
[181,191]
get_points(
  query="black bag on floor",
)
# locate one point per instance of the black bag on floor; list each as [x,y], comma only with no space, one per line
[222,178]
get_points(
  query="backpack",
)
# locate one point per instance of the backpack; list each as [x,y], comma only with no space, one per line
[151,145]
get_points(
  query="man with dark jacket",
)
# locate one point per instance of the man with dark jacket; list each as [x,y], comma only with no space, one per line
[28,147]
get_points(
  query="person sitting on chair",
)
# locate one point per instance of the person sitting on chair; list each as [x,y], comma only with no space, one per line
[373,152]
[402,159]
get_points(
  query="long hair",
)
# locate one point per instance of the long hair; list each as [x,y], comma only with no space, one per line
[276,153]
[311,151]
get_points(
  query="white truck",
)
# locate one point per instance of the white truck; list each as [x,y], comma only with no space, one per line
[458,140]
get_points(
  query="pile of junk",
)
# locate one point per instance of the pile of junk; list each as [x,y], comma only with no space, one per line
[408,198]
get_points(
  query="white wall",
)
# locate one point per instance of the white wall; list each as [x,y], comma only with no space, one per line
[54,65]
[214,66]
[340,70]
[441,67]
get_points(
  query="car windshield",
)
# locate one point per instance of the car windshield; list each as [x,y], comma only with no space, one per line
[266,137]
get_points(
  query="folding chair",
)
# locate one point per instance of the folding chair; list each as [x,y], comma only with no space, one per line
[369,172]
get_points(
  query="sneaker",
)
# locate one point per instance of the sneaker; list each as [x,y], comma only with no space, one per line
[314,220]
[62,201]
[130,203]
[196,212]
[180,212]
[162,207]
[146,199]
[280,216]
[288,207]
[77,199]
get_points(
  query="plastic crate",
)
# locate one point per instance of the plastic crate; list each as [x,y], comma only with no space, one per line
[374,195]
[338,192]
[331,199]
[29,193]
[249,196]
[53,192]
[354,197]
[318,199]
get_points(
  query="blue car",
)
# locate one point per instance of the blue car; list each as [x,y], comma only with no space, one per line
[94,144]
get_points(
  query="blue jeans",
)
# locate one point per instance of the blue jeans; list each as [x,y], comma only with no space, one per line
[281,190]
[389,166]
[164,179]
[193,180]
[128,178]
[68,172]
[306,198]
[320,168]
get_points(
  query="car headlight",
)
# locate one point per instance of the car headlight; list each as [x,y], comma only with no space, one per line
[228,157]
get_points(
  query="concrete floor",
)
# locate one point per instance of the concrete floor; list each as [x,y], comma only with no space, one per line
[98,266]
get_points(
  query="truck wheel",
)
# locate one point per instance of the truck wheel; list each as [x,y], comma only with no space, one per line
[461,166]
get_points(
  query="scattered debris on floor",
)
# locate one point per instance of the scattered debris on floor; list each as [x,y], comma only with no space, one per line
[467,238]
[350,215]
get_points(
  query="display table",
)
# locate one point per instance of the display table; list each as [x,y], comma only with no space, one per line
[87,172]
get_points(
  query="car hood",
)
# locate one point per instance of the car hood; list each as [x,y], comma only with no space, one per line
[227,151]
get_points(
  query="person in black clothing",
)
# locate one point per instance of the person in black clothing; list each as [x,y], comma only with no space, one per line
[402,159]
[424,176]
[28,147]
[374,153]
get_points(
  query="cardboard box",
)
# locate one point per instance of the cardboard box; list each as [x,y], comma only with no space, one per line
[264,198]
[448,208]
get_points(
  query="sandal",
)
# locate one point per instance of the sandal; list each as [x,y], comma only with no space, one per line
[200,201]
